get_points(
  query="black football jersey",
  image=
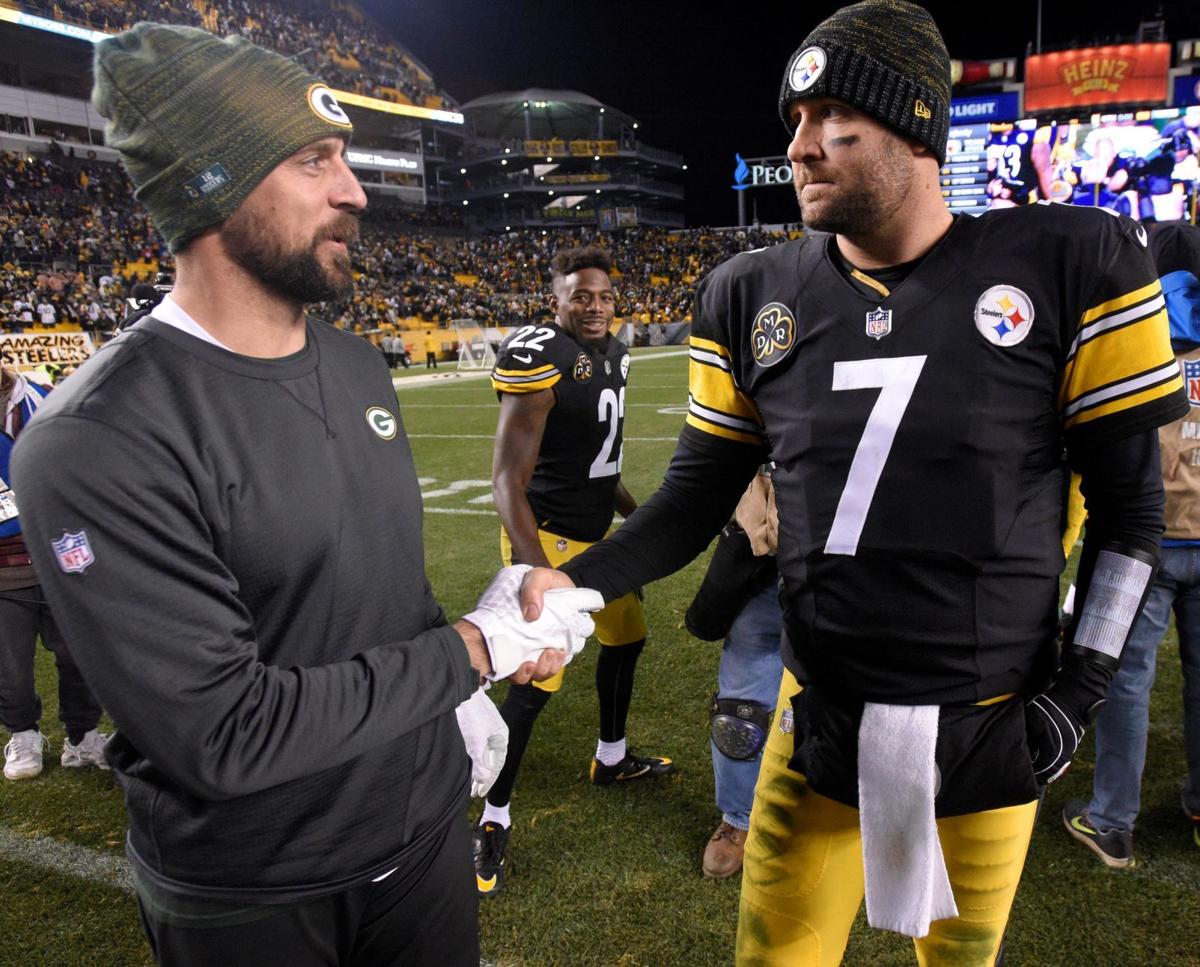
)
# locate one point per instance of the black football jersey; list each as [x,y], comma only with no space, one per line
[1010,159]
[918,435]
[579,462]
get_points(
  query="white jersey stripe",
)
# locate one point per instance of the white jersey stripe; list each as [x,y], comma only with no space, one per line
[1122,388]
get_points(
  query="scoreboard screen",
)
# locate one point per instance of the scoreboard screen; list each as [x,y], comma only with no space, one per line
[965,174]
[1145,165]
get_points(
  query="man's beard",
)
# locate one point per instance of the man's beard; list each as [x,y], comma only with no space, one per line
[297,275]
[861,211]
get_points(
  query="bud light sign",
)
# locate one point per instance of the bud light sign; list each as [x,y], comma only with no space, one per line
[992,107]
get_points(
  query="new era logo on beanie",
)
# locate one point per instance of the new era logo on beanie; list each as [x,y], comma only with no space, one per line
[200,121]
[884,57]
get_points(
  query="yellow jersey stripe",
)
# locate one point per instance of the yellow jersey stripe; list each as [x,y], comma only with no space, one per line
[722,431]
[1127,394]
[540,370]
[722,418]
[714,389]
[875,284]
[1117,355]
[1116,320]
[1120,302]
[707,345]
[529,386]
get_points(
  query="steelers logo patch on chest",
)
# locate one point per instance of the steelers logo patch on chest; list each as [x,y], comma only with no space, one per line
[1004,315]
[773,334]
[582,370]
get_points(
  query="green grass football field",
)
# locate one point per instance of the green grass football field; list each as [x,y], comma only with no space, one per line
[606,876]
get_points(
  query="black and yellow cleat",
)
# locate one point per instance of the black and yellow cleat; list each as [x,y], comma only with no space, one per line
[490,843]
[630,768]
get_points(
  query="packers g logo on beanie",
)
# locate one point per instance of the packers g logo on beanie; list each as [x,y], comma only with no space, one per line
[322,101]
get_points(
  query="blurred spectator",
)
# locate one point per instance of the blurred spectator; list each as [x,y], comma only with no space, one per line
[24,617]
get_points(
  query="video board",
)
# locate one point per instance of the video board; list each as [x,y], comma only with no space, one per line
[1144,164]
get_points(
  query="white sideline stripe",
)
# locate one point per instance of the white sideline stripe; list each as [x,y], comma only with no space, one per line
[495,405]
[70,859]
[492,436]
[459,510]
[450,376]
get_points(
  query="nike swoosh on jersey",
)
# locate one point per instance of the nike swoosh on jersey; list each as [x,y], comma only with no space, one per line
[524,359]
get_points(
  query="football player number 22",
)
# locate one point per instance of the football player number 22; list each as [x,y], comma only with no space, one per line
[896,378]
[611,410]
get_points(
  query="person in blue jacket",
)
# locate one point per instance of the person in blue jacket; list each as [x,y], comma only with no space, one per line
[24,617]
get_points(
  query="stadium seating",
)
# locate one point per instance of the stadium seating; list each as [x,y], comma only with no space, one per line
[71,235]
[334,40]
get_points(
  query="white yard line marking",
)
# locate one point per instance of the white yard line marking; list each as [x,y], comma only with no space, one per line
[70,859]
[495,406]
[460,510]
[452,376]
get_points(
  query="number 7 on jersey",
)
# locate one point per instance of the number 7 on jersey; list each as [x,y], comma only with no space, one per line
[896,378]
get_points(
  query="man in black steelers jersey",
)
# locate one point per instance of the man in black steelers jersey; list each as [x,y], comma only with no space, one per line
[915,377]
[556,476]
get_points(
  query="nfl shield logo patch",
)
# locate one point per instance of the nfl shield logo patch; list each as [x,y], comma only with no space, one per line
[879,323]
[1191,379]
[74,553]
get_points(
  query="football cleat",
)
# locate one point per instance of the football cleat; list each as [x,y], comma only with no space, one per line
[630,768]
[490,843]
[1113,846]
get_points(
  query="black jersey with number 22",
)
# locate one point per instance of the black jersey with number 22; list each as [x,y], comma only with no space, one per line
[579,462]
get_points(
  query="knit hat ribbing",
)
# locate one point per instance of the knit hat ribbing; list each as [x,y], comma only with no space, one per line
[200,121]
[884,57]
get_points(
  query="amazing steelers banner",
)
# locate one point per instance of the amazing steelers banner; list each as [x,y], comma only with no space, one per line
[29,350]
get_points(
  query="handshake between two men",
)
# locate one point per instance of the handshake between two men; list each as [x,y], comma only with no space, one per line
[515,634]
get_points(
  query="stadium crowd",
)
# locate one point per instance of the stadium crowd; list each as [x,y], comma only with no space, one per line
[342,47]
[73,240]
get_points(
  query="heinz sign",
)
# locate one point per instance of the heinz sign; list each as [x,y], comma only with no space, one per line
[1121,74]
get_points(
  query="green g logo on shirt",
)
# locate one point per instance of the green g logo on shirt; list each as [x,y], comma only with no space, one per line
[382,422]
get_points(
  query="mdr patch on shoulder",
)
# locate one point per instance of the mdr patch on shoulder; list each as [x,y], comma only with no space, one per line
[773,334]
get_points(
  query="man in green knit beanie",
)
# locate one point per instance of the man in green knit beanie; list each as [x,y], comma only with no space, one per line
[212,513]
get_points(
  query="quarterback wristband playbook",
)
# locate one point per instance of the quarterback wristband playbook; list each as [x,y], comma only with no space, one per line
[1113,592]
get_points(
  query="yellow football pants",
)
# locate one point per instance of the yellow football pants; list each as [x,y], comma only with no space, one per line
[802,882]
[621,622]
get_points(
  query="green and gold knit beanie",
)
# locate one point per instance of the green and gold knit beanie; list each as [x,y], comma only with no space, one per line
[200,121]
[884,57]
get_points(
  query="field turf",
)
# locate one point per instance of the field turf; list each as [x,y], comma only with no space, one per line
[606,876]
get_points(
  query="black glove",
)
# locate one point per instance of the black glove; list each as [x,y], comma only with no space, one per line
[1056,720]
[733,573]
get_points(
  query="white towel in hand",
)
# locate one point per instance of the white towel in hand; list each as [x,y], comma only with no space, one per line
[906,879]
